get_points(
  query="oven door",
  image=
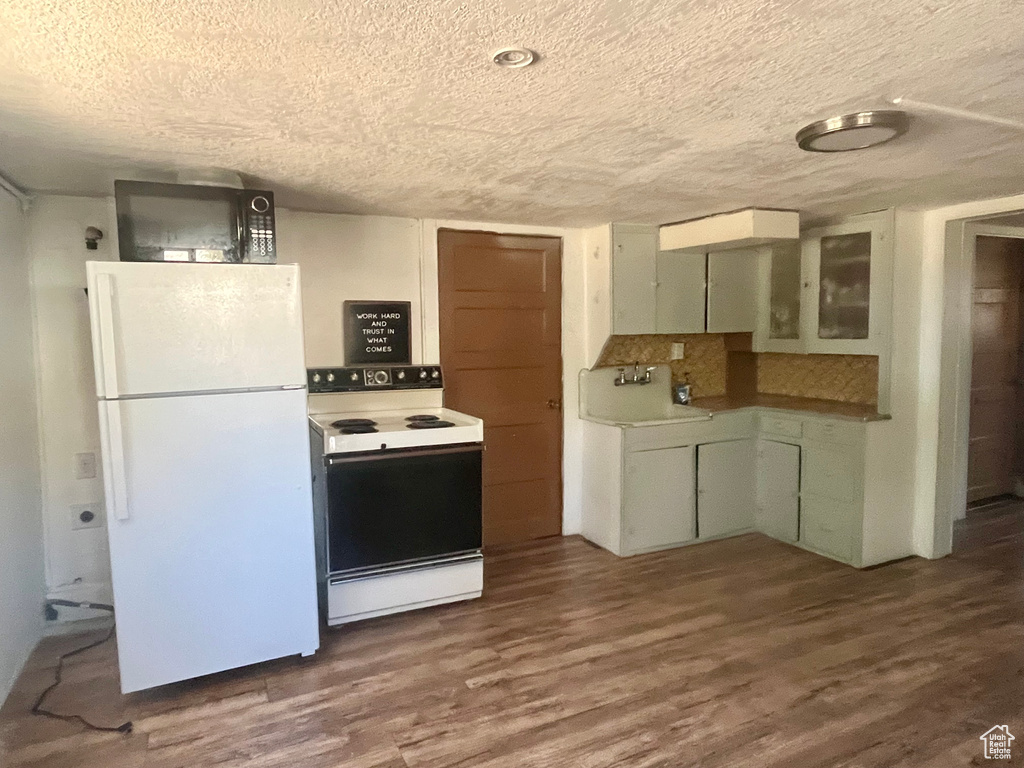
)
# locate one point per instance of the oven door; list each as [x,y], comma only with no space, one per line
[403,506]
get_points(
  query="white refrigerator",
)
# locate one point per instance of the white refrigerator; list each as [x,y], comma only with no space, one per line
[201,383]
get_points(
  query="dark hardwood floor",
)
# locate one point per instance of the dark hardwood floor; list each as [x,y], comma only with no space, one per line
[743,652]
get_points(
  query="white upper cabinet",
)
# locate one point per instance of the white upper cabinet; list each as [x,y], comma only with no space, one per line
[830,295]
[778,326]
[848,285]
[680,292]
[732,291]
[634,278]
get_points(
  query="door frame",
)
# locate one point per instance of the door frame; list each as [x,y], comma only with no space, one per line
[955,368]
[573,333]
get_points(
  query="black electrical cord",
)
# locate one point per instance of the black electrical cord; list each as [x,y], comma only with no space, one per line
[37,708]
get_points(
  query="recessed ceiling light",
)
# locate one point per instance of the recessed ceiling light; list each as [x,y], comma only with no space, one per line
[858,130]
[514,57]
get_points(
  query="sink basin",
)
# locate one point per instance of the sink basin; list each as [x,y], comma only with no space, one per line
[633,405]
[670,412]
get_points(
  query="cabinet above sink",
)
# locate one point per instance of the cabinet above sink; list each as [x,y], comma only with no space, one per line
[659,291]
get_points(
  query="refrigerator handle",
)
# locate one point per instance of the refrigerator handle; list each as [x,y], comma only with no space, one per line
[108,350]
[118,475]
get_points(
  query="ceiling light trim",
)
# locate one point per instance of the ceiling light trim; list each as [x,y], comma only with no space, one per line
[876,126]
[513,57]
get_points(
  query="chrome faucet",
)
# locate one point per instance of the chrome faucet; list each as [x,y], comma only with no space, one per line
[621,379]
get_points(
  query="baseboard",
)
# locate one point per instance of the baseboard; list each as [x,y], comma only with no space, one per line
[89,592]
[56,628]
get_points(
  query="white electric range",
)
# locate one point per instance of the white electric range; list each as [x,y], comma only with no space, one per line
[397,491]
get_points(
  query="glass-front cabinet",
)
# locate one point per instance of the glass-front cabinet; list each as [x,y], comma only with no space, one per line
[831,293]
[778,323]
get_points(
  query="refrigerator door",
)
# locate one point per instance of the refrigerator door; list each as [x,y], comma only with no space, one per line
[211,532]
[175,328]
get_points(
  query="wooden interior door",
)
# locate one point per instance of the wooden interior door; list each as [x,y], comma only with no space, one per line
[995,367]
[500,305]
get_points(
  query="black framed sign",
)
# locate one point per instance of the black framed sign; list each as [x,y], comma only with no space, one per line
[377,332]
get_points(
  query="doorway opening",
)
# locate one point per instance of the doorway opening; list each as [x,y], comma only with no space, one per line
[500,299]
[990,390]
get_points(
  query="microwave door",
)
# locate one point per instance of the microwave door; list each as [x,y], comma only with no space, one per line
[178,223]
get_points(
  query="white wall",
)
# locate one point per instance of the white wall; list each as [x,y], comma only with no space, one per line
[77,563]
[341,257]
[345,257]
[21,534]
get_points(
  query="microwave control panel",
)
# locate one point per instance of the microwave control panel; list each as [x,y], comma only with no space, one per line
[259,219]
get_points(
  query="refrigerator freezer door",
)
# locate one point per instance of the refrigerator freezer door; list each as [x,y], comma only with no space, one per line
[213,556]
[170,328]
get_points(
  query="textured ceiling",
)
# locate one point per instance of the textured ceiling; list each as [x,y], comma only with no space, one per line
[639,110]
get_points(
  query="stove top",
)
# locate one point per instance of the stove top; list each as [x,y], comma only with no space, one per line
[387,430]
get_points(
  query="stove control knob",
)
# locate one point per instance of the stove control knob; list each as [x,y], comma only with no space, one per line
[434,374]
[401,375]
[354,376]
[423,374]
[316,378]
[330,377]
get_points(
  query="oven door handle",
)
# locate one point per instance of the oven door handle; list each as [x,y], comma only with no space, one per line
[402,453]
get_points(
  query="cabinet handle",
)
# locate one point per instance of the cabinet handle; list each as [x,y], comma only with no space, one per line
[555,405]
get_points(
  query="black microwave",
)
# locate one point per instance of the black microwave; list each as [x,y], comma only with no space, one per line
[196,223]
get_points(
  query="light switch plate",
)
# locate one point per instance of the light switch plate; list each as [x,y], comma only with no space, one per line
[678,350]
[93,514]
[85,466]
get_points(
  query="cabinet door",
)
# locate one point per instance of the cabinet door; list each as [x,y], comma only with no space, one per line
[634,279]
[680,292]
[826,525]
[778,327]
[778,489]
[725,488]
[847,290]
[732,291]
[658,499]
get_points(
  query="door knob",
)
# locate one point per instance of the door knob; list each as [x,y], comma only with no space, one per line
[555,405]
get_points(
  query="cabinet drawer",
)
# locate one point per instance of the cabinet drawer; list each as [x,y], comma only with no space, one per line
[845,432]
[831,472]
[776,425]
[827,526]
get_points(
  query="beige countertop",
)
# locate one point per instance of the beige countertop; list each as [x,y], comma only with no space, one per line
[802,405]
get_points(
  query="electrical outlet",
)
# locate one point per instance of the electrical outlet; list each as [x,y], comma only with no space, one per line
[678,350]
[86,516]
[85,466]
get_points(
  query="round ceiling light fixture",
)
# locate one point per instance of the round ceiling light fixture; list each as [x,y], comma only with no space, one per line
[858,130]
[513,58]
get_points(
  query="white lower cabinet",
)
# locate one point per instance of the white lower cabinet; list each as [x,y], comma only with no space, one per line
[817,482]
[725,488]
[777,510]
[658,499]
[827,526]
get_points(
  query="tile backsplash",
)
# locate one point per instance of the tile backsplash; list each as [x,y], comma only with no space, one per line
[845,378]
